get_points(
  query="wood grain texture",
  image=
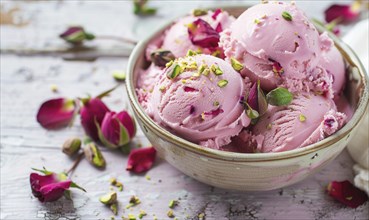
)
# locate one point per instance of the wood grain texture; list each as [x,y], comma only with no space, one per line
[25,83]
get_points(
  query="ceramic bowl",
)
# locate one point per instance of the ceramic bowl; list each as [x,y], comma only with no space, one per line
[257,171]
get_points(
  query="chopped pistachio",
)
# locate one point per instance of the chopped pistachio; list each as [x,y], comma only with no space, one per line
[216,53]
[201,216]
[191,53]
[142,214]
[170,213]
[201,69]
[148,177]
[54,88]
[199,12]
[131,217]
[256,21]
[114,208]
[216,70]
[236,64]
[222,83]
[119,75]
[71,146]
[109,198]
[169,63]
[112,218]
[113,181]
[269,126]
[203,116]
[173,203]
[287,16]
[216,103]
[162,88]
[302,117]
[174,72]
[94,155]
[134,200]
[206,72]
[183,81]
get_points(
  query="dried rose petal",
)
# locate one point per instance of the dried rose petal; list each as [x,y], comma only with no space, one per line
[216,13]
[252,99]
[189,89]
[276,67]
[219,28]
[141,160]
[116,129]
[93,110]
[202,34]
[345,13]
[214,112]
[347,193]
[56,113]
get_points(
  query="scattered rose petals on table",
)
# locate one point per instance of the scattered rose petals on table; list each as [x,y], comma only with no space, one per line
[346,193]
[344,13]
[141,160]
[56,113]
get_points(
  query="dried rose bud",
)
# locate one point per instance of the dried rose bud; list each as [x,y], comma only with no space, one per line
[94,155]
[109,198]
[161,57]
[51,186]
[141,160]
[92,112]
[256,101]
[71,146]
[76,35]
[56,113]
[202,34]
[342,13]
[117,129]
[347,193]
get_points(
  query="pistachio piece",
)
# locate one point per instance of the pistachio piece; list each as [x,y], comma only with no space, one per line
[94,156]
[216,70]
[222,83]
[141,214]
[287,16]
[114,208]
[199,12]
[173,203]
[236,64]
[174,72]
[109,198]
[71,146]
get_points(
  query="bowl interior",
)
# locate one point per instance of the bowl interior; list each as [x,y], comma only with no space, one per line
[356,91]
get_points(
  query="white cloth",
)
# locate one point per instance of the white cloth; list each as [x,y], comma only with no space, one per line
[358,147]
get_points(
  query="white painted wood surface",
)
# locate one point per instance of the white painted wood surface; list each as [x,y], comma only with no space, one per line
[25,83]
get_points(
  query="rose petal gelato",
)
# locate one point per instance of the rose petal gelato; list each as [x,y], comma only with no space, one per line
[278,45]
[201,102]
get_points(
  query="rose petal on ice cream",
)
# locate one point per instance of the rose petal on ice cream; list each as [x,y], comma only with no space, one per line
[202,34]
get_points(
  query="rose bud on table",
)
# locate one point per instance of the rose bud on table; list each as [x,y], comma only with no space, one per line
[56,113]
[76,35]
[117,129]
[51,186]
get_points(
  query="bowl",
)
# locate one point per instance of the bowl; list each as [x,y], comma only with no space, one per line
[257,171]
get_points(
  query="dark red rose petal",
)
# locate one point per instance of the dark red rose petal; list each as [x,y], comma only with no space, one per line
[347,193]
[141,160]
[252,99]
[56,113]
[216,13]
[48,188]
[92,110]
[219,28]
[344,12]
[202,34]
[214,112]
[189,89]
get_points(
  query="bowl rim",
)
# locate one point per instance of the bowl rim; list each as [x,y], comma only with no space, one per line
[345,50]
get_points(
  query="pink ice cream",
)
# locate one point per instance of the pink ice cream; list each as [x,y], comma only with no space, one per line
[177,39]
[332,61]
[203,108]
[278,45]
[145,83]
[308,119]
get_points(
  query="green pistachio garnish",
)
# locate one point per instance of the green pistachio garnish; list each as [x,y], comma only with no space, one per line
[174,72]
[170,213]
[203,116]
[109,198]
[161,57]
[302,117]
[201,69]
[169,63]
[162,88]
[199,12]
[134,200]
[173,203]
[191,53]
[142,214]
[183,81]
[131,217]
[279,97]
[287,16]
[94,156]
[216,103]
[206,72]
[222,83]
[269,126]
[114,208]
[119,75]
[236,64]
[71,146]
[216,70]
[257,21]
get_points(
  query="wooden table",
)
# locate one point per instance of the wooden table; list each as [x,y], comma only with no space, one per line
[31,27]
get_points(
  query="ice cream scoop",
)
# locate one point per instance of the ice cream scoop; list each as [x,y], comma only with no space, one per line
[308,119]
[178,40]
[198,98]
[145,83]
[278,45]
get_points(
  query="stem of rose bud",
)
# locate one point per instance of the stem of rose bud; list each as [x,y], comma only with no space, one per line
[121,39]
[76,162]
